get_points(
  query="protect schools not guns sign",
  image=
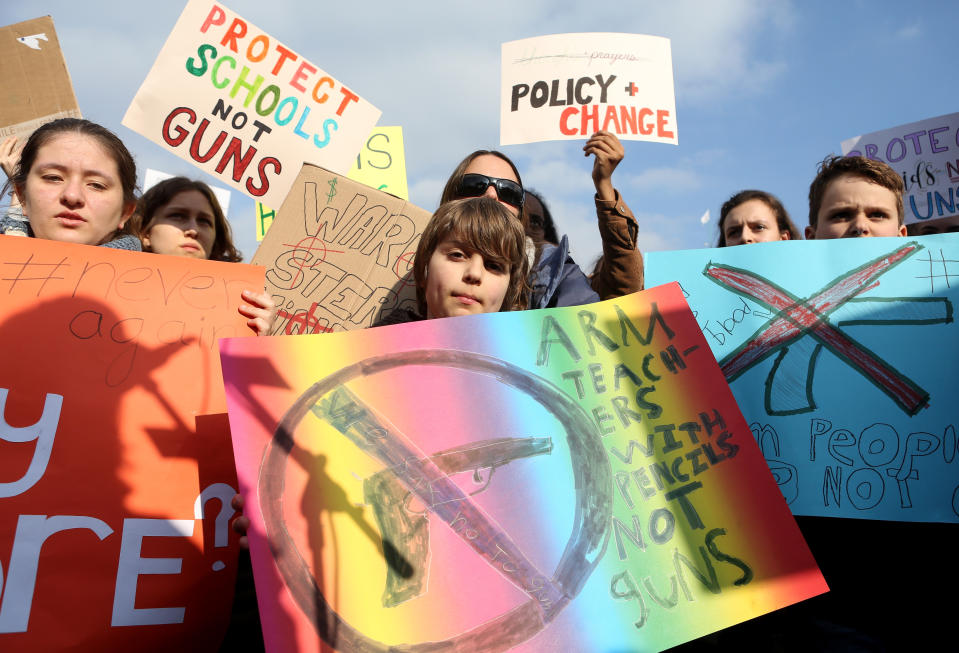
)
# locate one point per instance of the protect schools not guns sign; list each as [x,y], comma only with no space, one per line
[243,107]
[567,86]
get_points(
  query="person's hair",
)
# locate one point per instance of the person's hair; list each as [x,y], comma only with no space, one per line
[449,191]
[485,226]
[549,227]
[126,166]
[833,167]
[161,194]
[782,216]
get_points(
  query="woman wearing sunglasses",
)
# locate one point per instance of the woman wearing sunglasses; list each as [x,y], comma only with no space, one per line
[555,278]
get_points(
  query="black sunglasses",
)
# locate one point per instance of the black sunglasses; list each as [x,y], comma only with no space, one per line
[474,185]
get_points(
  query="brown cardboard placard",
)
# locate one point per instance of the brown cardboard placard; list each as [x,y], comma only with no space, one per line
[37,86]
[339,255]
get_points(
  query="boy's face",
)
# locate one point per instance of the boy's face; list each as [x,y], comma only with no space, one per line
[461,282]
[853,207]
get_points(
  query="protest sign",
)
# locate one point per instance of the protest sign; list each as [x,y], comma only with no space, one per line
[152,177]
[841,354]
[36,83]
[567,479]
[926,154]
[264,218]
[381,164]
[339,255]
[115,481]
[243,107]
[567,86]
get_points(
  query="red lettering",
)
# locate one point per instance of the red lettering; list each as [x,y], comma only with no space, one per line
[645,128]
[661,117]
[285,55]
[181,133]
[611,115]
[587,116]
[237,29]
[215,17]
[348,96]
[301,74]
[628,115]
[264,182]
[240,164]
[564,117]
[195,143]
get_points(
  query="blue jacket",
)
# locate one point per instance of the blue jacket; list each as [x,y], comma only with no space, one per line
[558,281]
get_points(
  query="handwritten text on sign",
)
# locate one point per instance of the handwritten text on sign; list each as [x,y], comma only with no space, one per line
[339,255]
[585,471]
[926,154]
[567,86]
[106,462]
[244,107]
[855,418]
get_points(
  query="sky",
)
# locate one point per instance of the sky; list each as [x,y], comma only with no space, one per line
[764,90]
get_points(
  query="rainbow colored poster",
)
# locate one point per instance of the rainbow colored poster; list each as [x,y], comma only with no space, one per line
[574,479]
[841,355]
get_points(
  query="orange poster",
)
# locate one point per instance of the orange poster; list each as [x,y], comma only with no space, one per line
[115,471]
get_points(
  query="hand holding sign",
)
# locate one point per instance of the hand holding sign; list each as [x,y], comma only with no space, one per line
[608,152]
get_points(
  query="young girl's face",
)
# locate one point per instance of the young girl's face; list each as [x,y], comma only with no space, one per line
[184,226]
[73,192]
[460,281]
[752,222]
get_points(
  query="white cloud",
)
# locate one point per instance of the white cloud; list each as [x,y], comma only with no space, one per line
[908,32]
[665,180]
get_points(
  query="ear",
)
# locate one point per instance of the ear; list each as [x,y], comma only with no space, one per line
[810,233]
[127,212]
[784,235]
[902,230]
[18,193]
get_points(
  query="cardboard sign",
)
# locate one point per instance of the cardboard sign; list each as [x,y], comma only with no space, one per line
[926,154]
[244,107]
[567,86]
[37,87]
[115,481]
[582,473]
[381,164]
[339,255]
[842,356]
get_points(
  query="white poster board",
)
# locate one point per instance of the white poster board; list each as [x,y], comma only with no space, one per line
[245,108]
[926,154]
[567,86]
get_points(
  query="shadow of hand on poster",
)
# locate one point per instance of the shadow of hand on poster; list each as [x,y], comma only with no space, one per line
[88,557]
[322,499]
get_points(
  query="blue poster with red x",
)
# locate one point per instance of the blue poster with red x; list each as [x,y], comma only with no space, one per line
[844,357]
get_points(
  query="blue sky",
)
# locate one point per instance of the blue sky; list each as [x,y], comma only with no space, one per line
[764,90]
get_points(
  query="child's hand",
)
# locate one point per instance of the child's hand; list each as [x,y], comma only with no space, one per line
[261,311]
[609,152]
[242,523]
[9,155]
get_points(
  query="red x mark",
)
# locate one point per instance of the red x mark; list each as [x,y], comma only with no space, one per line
[797,317]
